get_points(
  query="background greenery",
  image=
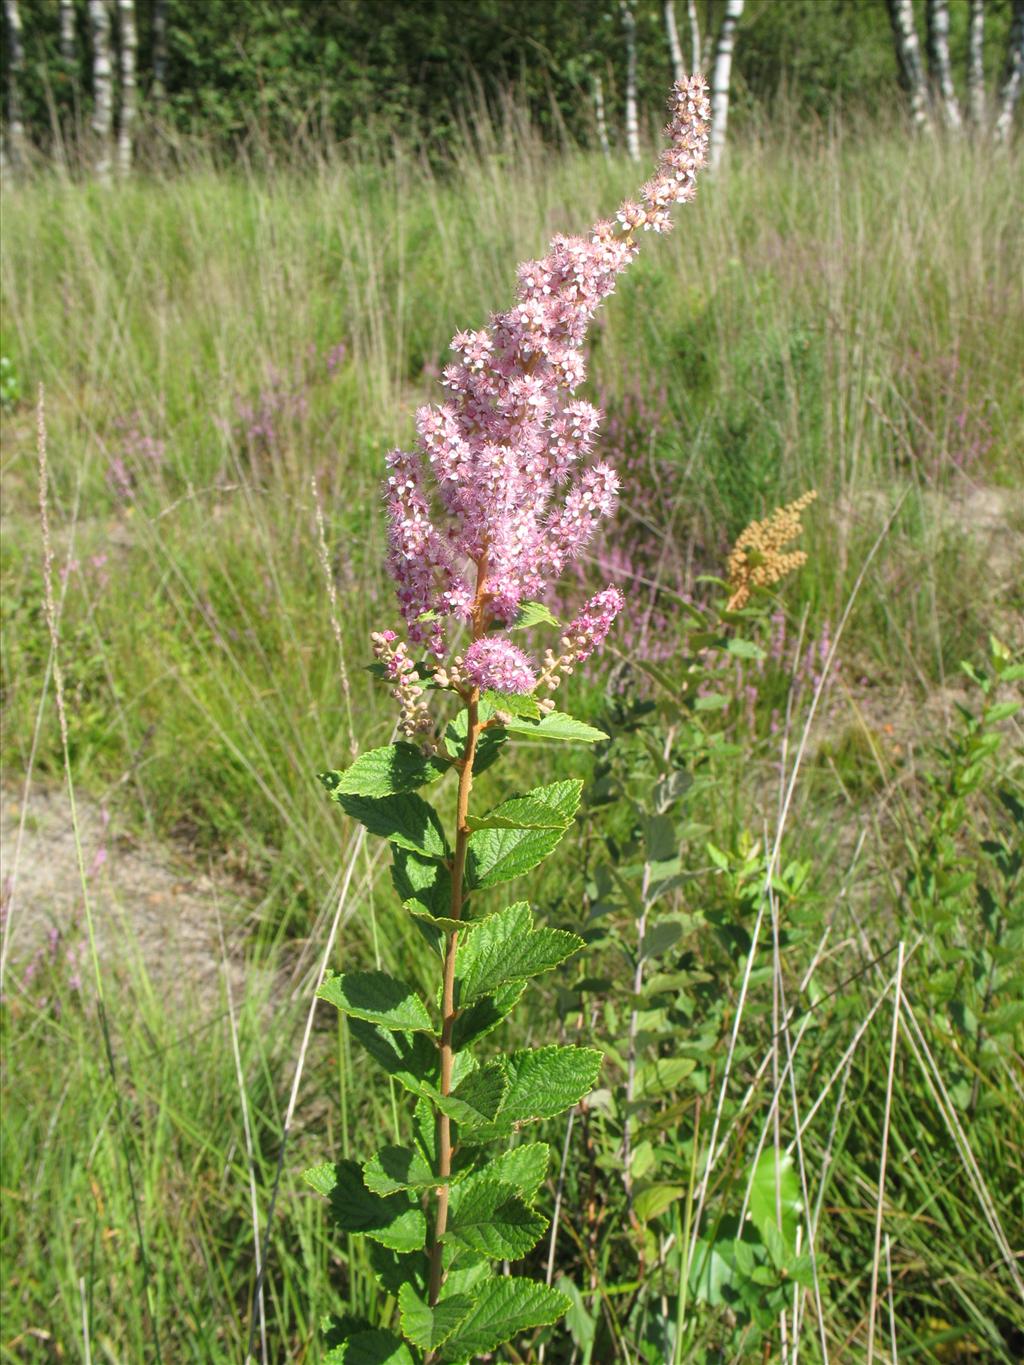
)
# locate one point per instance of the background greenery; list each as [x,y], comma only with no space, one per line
[841,308]
[240,70]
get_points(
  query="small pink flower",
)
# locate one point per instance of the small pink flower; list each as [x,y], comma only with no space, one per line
[500,666]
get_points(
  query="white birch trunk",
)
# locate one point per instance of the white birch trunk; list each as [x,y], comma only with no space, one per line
[632,116]
[674,49]
[943,89]
[102,87]
[599,118]
[976,66]
[67,33]
[908,52]
[17,145]
[697,62]
[129,98]
[159,51]
[720,79]
[1013,77]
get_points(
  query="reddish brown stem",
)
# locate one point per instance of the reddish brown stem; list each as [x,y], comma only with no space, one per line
[448,1011]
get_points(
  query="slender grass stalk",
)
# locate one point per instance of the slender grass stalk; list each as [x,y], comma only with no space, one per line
[884,1156]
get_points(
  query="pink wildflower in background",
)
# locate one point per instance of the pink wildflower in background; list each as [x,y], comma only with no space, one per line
[497,493]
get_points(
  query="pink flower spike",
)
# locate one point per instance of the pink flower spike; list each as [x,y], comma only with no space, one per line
[497,665]
[589,630]
[498,473]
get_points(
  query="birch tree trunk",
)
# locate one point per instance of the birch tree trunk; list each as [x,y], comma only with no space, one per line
[102,87]
[67,33]
[1013,77]
[129,49]
[943,89]
[599,119]
[159,51]
[696,57]
[632,118]
[976,67]
[675,51]
[720,78]
[908,52]
[17,146]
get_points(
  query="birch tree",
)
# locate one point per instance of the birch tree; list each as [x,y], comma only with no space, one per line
[943,89]
[976,66]
[67,33]
[674,48]
[908,53]
[1013,77]
[599,118]
[697,62]
[720,78]
[102,87]
[17,146]
[632,116]
[129,49]
[159,51]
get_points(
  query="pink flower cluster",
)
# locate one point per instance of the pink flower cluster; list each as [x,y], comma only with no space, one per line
[495,663]
[497,479]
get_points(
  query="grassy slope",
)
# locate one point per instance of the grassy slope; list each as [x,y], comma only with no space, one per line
[840,317]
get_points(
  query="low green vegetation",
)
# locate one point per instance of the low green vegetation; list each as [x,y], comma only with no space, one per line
[840,315]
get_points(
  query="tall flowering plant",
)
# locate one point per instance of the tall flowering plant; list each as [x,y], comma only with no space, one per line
[486,511]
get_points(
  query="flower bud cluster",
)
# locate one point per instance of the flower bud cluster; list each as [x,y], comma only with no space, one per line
[414,717]
[583,636]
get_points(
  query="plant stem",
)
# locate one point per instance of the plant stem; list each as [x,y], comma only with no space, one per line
[444,1127]
[448,1011]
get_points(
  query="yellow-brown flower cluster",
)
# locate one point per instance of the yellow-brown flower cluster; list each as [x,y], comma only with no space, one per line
[758,559]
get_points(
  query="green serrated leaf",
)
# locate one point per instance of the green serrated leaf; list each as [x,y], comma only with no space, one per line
[396,1222]
[512,704]
[533,614]
[491,1218]
[377,998]
[504,1306]
[422,881]
[488,746]
[382,772]
[405,819]
[549,807]
[524,1168]
[428,1327]
[370,1348]
[542,1082]
[486,1014]
[506,947]
[556,725]
[477,1099]
[391,1269]
[410,1057]
[499,855]
[398,1168]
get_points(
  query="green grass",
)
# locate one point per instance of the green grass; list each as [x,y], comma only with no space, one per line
[841,315]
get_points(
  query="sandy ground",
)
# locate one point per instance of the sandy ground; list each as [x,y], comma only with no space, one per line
[147,907]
